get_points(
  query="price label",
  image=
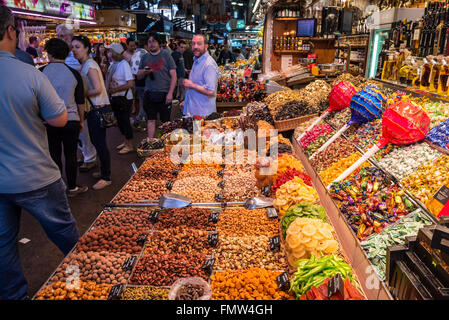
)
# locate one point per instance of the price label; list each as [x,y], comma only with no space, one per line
[266,191]
[336,285]
[282,280]
[271,212]
[221,184]
[219,197]
[223,165]
[224,205]
[209,265]
[275,243]
[169,185]
[220,173]
[129,263]
[175,172]
[213,239]
[142,239]
[214,216]
[154,215]
[116,292]
[442,195]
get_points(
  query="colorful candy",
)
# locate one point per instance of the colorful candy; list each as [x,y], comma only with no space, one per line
[439,135]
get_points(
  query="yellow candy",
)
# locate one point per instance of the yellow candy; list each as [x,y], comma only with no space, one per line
[333,172]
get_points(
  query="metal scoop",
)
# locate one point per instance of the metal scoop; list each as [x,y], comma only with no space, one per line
[174,201]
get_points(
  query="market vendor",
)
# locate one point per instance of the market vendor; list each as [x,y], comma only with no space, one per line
[201,87]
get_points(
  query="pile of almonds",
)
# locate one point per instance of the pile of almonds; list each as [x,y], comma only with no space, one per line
[164,270]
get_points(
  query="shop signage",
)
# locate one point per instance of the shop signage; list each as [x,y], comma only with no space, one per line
[64,8]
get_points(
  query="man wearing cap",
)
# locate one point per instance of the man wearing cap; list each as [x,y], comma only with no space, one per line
[202,83]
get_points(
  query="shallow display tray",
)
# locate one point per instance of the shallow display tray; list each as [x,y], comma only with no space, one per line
[373,287]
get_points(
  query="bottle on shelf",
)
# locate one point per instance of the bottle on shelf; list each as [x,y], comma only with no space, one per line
[438,32]
[444,76]
[435,74]
[425,75]
[417,28]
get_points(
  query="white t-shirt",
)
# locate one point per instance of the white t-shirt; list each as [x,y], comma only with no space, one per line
[102,98]
[72,62]
[121,75]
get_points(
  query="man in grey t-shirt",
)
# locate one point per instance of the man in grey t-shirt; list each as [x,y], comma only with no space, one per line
[159,70]
[29,178]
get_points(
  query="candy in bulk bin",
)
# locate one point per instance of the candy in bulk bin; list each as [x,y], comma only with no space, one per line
[404,122]
[366,105]
[339,99]
[439,135]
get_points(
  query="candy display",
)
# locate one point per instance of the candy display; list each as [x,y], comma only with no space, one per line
[307,237]
[427,179]
[303,209]
[438,111]
[230,89]
[314,134]
[340,148]
[251,284]
[314,271]
[332,172]
[439,134]
[341,94]
[376,245]
[403,161]
[370,202]
[338,119]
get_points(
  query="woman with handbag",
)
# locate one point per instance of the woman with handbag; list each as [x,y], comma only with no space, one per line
[119,84]
[100,116]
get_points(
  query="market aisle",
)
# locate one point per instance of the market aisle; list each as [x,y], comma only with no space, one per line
[40,257]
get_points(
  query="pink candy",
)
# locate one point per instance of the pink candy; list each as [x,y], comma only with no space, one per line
[313,134]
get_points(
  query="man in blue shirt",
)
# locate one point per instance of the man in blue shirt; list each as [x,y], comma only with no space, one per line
[29,178]
[202,83]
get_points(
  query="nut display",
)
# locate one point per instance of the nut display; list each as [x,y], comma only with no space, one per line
[340,148]
[242,222]
[164,270]
[100,267]
[196,218]
[251,284]
[199,188]
[112,239]
[138,218]
[178,240]
[86,291]
[240,186]
[145,293]
[238,253]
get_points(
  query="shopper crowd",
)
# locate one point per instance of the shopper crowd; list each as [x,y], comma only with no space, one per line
[70,103]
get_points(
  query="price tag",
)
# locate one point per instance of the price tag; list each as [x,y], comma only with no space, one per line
[219,197]
[142,239]
[133,165]
[271,212]
[116,292]
[442,195]
[213,239]
[129,263]
[223,165]
[282,280]
[275,243]
[336,285]
[266,191]
[224,205]
[175,172]
[209,265]
[214,216]
[169,185]
[221,184]
[154,215]
[220,173]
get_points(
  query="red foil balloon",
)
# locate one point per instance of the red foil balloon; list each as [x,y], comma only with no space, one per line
[341,95]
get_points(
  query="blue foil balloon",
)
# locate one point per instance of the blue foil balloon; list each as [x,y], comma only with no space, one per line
[367,105]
